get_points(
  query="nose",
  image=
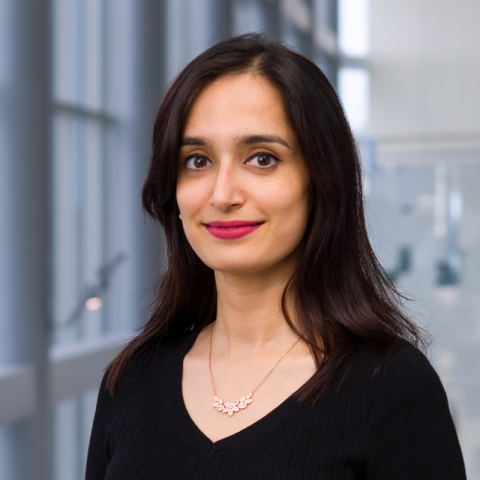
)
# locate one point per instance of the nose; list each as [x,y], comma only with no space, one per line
[227,193]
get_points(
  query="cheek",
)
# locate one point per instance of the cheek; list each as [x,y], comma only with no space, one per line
[189,197]
[182,200]
[289,199]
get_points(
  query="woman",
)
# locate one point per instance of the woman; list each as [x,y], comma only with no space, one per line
[277,347]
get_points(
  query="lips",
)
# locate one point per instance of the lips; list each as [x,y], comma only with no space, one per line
[232,224]
[232,229]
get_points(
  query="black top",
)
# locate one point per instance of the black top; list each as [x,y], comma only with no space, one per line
[392,426]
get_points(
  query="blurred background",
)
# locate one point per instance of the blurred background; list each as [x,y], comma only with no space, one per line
[80,82]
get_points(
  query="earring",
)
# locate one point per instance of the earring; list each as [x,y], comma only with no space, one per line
[180,217]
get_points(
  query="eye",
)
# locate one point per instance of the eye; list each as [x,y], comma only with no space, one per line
[262,160]
[197,162]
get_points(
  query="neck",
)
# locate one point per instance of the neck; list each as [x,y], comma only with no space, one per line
[249,311]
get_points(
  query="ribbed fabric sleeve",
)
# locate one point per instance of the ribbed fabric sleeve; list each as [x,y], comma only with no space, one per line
[411,433]
[392,426]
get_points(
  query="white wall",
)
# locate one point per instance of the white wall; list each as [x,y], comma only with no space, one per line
[425,68]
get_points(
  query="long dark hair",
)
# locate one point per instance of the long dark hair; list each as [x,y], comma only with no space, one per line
[342,295]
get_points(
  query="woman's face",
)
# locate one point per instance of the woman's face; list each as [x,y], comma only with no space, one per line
[242,185]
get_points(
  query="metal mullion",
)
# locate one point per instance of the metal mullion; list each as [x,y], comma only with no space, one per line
[83,111]
[81,54]
[105,155]
[104,47]
[79,156]
[105,216]
[353,62]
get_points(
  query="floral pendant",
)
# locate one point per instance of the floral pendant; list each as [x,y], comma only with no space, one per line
[231,407]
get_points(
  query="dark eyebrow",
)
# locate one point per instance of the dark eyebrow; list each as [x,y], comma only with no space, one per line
[252,139]
[241,142]
[194,141]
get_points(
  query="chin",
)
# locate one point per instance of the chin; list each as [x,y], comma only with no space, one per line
[237,264]
[237,268]
[244,264]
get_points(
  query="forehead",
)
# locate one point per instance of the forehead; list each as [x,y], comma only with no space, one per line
[238,104]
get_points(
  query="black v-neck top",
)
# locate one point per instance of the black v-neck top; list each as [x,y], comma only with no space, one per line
[393,426]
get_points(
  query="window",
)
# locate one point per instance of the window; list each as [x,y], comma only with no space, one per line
[80,155]
[81,129]
[109,65]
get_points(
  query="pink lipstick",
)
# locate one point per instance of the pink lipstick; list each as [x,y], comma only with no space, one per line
[232,229]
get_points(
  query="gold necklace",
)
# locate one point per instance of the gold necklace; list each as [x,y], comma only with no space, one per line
[231,407]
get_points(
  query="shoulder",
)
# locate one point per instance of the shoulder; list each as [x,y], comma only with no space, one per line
[148,363]
[410,430]
[400,360]
[407,355]
[401,381]
[144,371]
[409,371]
[410,390]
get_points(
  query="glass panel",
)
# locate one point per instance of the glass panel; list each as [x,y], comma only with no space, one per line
[79,205]
[66,243]
[72,423]
[190,30]
[6,210]
[78,240]
[65,440]
[353,27]
[297,38]
[93,53]
[248,17]
[4,43]
[5,453]
[93,227]
[79,234]
[66,78]
[297,17]
[326,13]
[328,65]
[353,88]
[78,52]
[424,223]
